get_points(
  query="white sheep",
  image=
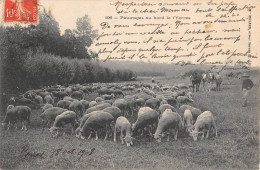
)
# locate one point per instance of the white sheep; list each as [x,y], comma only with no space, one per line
[147,118]
[204,123]
[170,122]
[62,119]
[187,119]
[96,121]
[124,127]
[183,100]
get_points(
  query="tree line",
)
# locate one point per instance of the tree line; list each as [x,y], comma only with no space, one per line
[39,55]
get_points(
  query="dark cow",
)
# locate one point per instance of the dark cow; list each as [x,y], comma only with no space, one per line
[195,80]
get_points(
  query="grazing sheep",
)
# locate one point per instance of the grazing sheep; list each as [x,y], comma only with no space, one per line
[172,101]
[23,102]
[189,95]
[181,93]
[163,102]
[131,105]
[140,102]
[187,120]
[38,99]
[62,119]
[108,97]
[44,93]
[118,92]
[59,94]
[170,122]
[77,95]
[46,106]
[17,113]
[147,117]
[50,114]
[107,101]
[97,107]
[163,107]
[204,123]
[65,104]
[68,98]
[183,100]
[83,120]
[48,99]
[149,92]
[93,103]
[10,118]
[103,91]
[194,111]
[99,99]
[143,96]
[153,103]
[160,97]
[85,105]
[29,94]
[9,107]
[68,90]
[124,127]
[76,106]
[114,111]
[96,121]
[85,90]
[121,104]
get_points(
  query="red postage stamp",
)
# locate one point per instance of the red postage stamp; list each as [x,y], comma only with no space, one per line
[21,11]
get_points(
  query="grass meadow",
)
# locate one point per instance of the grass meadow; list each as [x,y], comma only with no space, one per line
[236,147]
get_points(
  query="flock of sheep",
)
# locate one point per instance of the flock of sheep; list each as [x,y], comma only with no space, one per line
[161,110]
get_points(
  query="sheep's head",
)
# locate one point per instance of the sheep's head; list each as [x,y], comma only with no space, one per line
[195,135]
[112,95]
[189,128]
[190,100]
[128,140]
[158,137]
[10,107]
[53,129]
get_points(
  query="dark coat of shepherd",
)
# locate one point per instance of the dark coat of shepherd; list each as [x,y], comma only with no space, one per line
[195,80]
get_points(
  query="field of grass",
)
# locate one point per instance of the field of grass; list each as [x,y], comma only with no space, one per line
[236,147]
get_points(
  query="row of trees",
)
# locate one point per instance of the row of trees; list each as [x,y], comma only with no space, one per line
[44,69]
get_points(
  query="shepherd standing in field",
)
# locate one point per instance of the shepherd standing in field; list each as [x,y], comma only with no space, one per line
[247,84]
[153,80]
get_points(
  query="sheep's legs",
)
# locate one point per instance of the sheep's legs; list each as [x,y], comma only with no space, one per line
[115,134]
[168,137]
[96,135]
[89,136]
[22,126]
[121,137]
[56,134]
[202,137]
[176,134]
[107,131]
[150,133]
[25,127]
[80,134]
[142,132]
[207,136]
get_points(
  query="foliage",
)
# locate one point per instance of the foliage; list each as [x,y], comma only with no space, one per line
[37,55]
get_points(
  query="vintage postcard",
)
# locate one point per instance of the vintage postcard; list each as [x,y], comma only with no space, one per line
[129,84]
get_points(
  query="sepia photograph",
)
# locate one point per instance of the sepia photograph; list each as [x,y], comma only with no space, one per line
[133,84]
